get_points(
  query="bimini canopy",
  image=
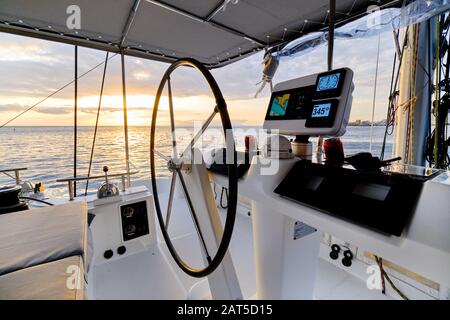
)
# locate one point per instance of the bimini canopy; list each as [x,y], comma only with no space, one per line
[211,31]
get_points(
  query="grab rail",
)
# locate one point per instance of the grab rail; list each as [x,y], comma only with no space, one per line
[70,181]
[16,173]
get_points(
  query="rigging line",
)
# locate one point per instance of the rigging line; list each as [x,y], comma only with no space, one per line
[375,91]
[437,95]
[52,94]
[7,174]
[408,105]
[96,122]
[389,111]
[412,93]
[393,97]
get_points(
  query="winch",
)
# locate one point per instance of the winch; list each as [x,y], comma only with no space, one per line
[9,199]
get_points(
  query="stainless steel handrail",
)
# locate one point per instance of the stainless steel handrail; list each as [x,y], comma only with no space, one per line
[70,181]
[16,173]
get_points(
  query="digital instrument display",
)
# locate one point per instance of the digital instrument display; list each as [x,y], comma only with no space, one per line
[291,104]
[316,104]
[328,82]
[321,110]
[322,114]
[279,105]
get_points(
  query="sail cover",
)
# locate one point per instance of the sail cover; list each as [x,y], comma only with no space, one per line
[211,31]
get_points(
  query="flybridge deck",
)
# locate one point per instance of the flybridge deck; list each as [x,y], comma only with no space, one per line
[264,247]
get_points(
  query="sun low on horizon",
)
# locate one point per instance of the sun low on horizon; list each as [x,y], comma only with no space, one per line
[37,68]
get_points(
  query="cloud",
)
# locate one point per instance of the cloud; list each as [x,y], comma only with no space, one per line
[12,107]
[35,68]
[39,109]
[141,76]
[112,109]
[53,110]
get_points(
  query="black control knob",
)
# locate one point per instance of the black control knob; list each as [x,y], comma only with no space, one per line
[130,229]
[108,254]
[348,257]
[335,249]
[121,250]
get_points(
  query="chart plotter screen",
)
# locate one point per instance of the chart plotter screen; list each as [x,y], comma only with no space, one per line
[279,105]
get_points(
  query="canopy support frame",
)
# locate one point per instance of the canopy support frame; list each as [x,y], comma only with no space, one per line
[129,22]
[75,122]
[205,20]
[331,27]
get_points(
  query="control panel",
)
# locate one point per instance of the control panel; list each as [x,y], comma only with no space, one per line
[123,225]
[317,104]
[134,219]
[381,200]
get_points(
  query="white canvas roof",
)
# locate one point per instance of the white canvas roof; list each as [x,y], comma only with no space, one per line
[212,31]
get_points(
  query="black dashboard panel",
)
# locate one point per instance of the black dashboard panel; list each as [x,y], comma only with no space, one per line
[377,200]
[301,103]
[134,220]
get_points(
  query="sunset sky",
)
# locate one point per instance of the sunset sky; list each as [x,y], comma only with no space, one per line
[31,69]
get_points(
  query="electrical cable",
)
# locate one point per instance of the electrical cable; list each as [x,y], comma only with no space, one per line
[37,200]
[384,275]
[52,94]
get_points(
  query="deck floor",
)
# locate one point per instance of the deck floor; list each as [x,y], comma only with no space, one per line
[152,274]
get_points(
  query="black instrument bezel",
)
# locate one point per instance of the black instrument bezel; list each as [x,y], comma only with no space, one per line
[332,93]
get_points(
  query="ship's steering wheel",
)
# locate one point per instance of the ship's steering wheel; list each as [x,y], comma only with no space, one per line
[175,165]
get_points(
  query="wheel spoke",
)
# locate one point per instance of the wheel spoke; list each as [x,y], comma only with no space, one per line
[171,194]
[172,121]
[194,217]
[161,155]
[199,134]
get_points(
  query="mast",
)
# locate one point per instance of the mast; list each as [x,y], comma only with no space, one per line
[412,115]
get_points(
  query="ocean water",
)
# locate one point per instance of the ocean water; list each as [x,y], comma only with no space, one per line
[47,152]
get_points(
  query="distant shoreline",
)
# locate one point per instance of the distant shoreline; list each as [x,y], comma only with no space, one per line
[367,123]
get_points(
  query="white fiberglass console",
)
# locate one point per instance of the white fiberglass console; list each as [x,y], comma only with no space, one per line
[314,105]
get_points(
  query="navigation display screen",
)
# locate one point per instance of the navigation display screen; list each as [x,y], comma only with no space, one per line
[279,105]
[291,104]
[321,110]
[328,82]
